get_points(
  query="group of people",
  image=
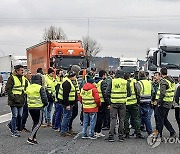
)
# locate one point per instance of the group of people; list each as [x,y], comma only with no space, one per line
[108,100]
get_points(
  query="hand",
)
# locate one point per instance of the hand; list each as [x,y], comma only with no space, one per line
[108,107]
[68,107]
[155,102]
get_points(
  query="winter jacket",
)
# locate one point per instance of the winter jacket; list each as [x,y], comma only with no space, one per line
[163,87]
[15,99]
[89,86]
[43,79]
[155,86]
[177,95]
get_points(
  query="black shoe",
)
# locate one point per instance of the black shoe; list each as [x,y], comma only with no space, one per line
[127,136]
[121,138]
[105,128]
[30,141]
[9,127]
[139,136]
[173,135]
[110,139]
[142,129]
[15,134]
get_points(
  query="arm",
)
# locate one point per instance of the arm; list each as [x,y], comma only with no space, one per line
[66,90]
[57,89]
[103,89]
[43,96]
[177,95]
[128,89]
[108,92]
[9,87]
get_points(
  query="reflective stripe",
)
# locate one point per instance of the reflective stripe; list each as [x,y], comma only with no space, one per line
[18,87]
[99,90]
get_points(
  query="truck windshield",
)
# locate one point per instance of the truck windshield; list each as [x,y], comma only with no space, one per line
[170,60]
[129,69]
[65,62]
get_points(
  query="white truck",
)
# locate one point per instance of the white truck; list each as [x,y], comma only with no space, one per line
[168,53]
[129,65]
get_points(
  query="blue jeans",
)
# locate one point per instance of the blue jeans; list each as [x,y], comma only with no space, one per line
[47,112]
[16,112]
[146,112]
[57,116]
[67,114]
[92,117]
[24,115]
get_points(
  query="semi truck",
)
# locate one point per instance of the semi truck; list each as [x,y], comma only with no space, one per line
[129,65]
[168,53]
[56,54]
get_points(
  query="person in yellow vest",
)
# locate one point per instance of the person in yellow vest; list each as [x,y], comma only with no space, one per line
[144,92]
[91,101]
[132,110]
[67,97]
[36,100]
[50,90]
[15,87]
[101,86]
[165,96]
[117,92]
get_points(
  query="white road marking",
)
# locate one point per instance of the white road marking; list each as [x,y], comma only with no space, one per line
[5,117]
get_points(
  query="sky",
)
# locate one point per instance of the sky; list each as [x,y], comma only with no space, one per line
[122,27]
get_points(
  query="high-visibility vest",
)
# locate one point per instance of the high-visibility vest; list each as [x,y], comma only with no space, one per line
[169,95]
[50,84]
[33,96]
[132,99]
[88,99]
[119,91]
[76,86]
[99,90]
[145,93]
[72,94]
[18,87]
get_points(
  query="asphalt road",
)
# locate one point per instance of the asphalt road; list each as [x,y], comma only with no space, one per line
[50,142]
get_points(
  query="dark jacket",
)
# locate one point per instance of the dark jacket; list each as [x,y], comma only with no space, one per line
[177,95]
[37,79]
[163,87]
[155,86]
[108,91]
[66,90]
[15,100]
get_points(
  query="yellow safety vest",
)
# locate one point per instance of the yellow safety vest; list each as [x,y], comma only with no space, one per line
[88,99]
[33,96]
[146,88]
[72,93]
[119,91]
[169,95]
[18,87]
[132,99]
[50,84]
[99,90]
[76,86]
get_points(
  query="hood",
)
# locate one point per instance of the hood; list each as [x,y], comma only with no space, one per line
[170,78]
[36,79]
[119,74]
[88,86]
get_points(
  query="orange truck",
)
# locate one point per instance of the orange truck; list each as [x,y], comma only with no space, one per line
[56,54]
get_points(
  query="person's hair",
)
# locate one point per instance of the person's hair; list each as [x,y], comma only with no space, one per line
[17,67]
[157,73]
[40,70]
[102,72]
[163,71]
[57,72]
[147,73]
[71,74]
[111,72]
[93,69]
[50,70]
[141,75]
[126,76]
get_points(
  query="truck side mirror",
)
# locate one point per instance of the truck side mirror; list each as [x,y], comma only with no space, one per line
[51,62]
[155,58]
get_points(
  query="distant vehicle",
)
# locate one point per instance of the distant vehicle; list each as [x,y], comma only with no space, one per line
[56,54]
[2,87]
[129,65]
[7,64]
[168,53]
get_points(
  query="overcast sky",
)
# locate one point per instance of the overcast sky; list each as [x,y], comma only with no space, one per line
[122,27]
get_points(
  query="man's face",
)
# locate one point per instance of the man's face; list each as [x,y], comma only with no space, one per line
[73,78]
[179,79]
[20,71]
[104,76]
[61,73]
[29,75]
[51,74]
[156,77]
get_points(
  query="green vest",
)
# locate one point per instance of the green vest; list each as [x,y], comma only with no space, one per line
[33,96]
[76,86]
[50,84]
[132,99]
[146,88]
[169,95]
[88,99]
[119,91]
[99,90]
[72,93]
[18,87]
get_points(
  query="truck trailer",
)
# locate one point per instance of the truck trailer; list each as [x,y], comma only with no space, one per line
[56,54]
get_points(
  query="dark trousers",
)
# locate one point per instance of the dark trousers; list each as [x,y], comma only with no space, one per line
[106,120]
[74,114]
[25,115]
[132,112]
[100,117]
[58,116]
[37,117]
[120,111]
[177,116]
[162,114]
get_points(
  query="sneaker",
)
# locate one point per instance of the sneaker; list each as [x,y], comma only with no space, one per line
[49,124]
[173,135]
[139,136]
[65,134]
[121,139]
[110,139]
[30,141]
[25,130]
[127,136]
[57,129]
[9,127]
[72,132]
[105,128]
[15,134]
[93,137]
[43,125]
[99,134]
[85,137]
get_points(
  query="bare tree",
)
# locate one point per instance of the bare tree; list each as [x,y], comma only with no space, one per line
[91,46]
[54,33]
